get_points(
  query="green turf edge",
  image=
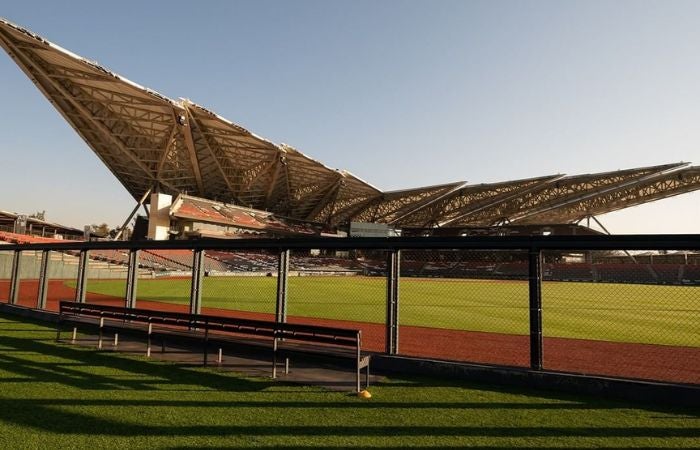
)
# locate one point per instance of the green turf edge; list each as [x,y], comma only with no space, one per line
[59,395]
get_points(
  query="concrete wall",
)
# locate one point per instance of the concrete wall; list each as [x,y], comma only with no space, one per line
[5,265]
[61,266]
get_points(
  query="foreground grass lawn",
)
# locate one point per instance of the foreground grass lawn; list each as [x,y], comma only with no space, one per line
[571,310]
[63,396]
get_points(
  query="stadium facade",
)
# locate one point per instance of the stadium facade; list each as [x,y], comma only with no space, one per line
[160,148]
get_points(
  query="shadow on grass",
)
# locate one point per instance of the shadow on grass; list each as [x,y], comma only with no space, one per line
[32,415]
[415,447]
[47,362]
[62,371]
[561,399]
[403,406]
[28,369]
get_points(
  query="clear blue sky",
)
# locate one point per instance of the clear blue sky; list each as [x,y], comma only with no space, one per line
[402,94]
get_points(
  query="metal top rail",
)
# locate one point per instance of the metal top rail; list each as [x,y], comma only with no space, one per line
[596,242]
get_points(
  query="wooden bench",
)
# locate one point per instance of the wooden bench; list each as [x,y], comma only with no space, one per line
[337,342]
[284,339]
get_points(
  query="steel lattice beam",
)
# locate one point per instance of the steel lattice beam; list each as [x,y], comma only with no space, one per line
[150,141]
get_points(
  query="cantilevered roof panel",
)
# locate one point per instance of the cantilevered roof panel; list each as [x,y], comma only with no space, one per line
[149,141]
[124,123]
[457,208]
[566,191]
[665,184]
[392,206]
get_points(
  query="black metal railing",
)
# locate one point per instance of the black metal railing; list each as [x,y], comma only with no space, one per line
[517,301]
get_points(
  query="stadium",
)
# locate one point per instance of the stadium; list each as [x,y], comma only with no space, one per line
[515,276]
[159,148]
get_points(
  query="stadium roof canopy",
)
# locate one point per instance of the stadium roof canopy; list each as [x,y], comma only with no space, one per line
[151,142]
[10,221]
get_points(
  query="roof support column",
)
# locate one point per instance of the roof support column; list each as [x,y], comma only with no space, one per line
[133,212]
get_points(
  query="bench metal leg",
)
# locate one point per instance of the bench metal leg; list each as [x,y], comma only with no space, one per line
[162,346]
[148,344]
[99,339]
[75,335]
[286,366]
[358,359]
[58,332]
[116,339]
[274,359]
[206,345]
[220,359]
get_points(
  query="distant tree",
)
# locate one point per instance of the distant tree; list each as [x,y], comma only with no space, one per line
[41,215]
[101,230]
[105,231]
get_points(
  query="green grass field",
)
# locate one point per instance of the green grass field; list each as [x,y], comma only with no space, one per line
[660,314]
[63,396]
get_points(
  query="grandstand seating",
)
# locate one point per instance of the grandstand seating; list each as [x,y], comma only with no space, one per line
[325,263]
[691,274]
[512,270]
[243,261]
[473,269]
[570,272]
[412,268]
[111,256]
[630,273]
[667,273]
[173,259]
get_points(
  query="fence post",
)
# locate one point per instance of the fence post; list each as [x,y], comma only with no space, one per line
[392,302]
[535,291]
[43,279]
[81,282]
[132,278]
[282,272]
[16,274]
[196,289]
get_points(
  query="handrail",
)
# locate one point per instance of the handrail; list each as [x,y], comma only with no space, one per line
[592,242]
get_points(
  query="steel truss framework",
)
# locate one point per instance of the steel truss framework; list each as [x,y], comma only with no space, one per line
[151,142]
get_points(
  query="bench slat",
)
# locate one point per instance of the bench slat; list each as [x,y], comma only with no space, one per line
[328,337]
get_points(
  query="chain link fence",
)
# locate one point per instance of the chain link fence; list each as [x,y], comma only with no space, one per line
[105,276]
[164,279]
[464,305]
[621,315]
[340,288]
[62,273]
[5,274]
[240,283]
[612,313]
[29,278]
